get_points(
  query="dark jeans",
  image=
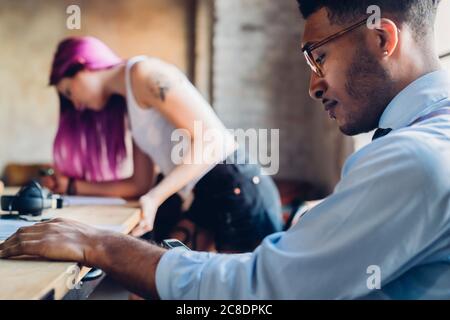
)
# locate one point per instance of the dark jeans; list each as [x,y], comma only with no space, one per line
[238,204]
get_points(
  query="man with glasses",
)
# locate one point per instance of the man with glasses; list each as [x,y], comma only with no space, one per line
[383,233]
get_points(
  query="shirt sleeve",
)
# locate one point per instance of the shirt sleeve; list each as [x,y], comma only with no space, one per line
[379,216]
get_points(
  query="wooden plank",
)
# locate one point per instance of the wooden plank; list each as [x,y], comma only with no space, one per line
[36,279]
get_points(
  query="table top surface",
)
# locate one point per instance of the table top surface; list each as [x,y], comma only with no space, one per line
[34,279]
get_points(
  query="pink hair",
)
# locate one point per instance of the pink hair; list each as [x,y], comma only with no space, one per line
[89,145]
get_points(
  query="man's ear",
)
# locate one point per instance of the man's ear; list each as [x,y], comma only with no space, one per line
[387,37]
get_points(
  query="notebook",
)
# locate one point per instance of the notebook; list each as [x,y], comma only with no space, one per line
[93,201]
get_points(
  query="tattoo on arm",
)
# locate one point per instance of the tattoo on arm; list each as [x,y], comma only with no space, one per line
[161,84]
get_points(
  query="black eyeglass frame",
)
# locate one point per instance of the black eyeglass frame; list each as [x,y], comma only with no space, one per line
[308,49]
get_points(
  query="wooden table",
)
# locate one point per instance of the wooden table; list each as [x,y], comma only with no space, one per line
[40,279]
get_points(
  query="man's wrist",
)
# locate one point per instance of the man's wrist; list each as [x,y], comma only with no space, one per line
[96,253]
[131,261]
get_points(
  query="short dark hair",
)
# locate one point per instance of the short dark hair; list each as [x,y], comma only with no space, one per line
[420,15]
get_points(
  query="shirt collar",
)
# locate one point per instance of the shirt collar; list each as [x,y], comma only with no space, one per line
[419,98]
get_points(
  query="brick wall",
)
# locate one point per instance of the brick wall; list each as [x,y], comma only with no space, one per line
[260,80]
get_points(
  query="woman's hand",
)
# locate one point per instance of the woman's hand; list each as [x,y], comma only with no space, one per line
[57,183]
[58,239]
[149,206]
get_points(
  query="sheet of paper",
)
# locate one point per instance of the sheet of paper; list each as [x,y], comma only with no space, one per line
[92,201]
[9,227]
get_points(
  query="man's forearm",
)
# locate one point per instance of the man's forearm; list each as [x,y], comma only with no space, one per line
[130,261]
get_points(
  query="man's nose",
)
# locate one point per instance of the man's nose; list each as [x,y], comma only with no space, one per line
[317,86]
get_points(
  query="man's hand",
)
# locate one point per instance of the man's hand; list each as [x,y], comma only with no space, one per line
[58,239]
[130,261]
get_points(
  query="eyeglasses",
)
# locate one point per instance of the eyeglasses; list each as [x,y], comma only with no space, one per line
[308,48]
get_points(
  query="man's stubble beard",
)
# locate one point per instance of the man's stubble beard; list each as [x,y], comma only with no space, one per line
[371,88]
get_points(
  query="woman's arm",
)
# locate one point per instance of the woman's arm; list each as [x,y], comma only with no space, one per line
[133,187]
[138,184]
[162,86]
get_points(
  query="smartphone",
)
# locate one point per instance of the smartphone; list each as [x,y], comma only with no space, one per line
[174,243]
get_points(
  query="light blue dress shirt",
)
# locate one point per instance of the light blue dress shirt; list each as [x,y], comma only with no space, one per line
[388,220]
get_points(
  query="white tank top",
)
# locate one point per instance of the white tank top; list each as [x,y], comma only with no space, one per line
[152,132]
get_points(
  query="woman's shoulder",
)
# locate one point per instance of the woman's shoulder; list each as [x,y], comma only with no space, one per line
[149,77]
[144,65]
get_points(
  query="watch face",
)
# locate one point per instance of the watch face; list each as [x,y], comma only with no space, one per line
[174,243]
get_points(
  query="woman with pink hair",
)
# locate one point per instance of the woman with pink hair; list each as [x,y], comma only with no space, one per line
[103,96]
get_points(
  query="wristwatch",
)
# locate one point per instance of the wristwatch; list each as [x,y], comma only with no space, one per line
[71,189]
